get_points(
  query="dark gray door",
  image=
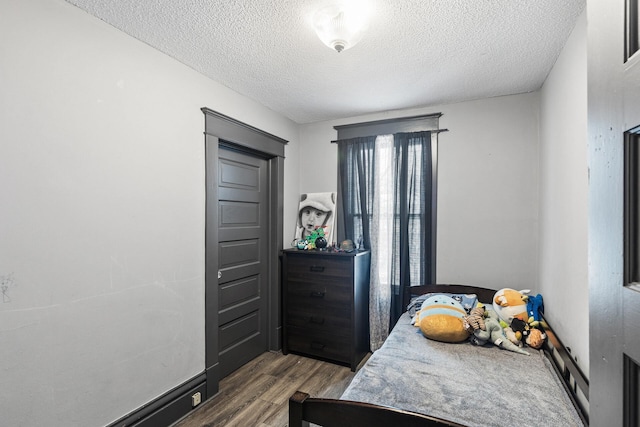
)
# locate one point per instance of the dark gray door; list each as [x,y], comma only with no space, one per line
[243,218]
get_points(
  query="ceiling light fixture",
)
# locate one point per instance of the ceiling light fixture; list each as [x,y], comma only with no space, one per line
[340,27]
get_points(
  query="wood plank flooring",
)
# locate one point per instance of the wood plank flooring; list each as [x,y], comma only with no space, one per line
[258,393]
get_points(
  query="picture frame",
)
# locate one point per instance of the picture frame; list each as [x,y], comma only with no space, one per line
[316,210]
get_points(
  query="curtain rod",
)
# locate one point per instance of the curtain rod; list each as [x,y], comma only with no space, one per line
[335,141]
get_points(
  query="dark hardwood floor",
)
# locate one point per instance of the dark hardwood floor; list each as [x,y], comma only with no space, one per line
[257,394]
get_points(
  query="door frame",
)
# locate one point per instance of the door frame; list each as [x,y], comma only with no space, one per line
[231,133]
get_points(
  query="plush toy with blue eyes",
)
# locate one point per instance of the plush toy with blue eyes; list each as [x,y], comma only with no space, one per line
[441,318]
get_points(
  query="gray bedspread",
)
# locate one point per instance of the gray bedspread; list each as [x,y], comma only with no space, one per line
[471,385]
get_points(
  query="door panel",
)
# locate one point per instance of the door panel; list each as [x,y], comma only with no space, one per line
[242,258]
[240,303]
[236,256]
[238,175]
[239,291]
[239,341]
[239,214]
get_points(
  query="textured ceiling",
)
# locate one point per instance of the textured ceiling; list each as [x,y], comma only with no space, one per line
[415,53]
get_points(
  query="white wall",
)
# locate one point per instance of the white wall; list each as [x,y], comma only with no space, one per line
[563,195]
[487,187]
[101,215]
[487,193]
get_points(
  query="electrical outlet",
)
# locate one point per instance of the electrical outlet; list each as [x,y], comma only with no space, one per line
[196,398]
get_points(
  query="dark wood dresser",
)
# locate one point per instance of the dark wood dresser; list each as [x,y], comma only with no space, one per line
[326,304]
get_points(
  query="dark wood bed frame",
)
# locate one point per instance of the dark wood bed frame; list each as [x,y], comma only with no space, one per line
[304,409]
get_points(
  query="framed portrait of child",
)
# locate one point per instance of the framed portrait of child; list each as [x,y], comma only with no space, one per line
[316,210]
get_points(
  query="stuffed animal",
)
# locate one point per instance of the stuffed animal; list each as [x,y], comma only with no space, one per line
[510,304]
[534,308]
[495,334]
[441,318]
[475,319]
[521,329]
[536,338]
[512,336]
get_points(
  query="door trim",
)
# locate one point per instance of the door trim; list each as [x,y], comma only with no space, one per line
[231,133]
[243,135]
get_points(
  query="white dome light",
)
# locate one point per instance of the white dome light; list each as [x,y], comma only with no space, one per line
[339,27]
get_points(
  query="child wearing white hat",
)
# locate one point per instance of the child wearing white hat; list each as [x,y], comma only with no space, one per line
[316,209]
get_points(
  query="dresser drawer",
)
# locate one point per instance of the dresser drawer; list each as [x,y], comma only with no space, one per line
[333,320]
[300,294]
[324,345]
[319,269]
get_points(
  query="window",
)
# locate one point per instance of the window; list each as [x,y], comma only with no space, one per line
[386,198]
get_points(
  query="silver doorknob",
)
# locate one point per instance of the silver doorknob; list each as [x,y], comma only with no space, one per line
[219,274]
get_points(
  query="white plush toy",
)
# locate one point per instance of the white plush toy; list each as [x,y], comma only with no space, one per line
[510,304]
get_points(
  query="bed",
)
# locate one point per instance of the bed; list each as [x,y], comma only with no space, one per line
[413,381]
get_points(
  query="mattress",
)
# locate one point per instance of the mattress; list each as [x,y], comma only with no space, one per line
[464,383]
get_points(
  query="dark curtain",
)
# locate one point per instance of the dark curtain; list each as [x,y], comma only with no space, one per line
[412,216]
[411,254]
[356,160]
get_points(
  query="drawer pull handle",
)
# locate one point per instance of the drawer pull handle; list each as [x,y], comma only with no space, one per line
[317,294]
[317,346]
[317,268]
[317,320]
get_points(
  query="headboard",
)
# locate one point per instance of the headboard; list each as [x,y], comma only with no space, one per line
[484,294]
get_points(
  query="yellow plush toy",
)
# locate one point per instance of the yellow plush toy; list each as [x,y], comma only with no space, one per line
[441,319]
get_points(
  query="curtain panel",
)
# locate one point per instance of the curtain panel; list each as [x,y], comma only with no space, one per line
[385,198]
